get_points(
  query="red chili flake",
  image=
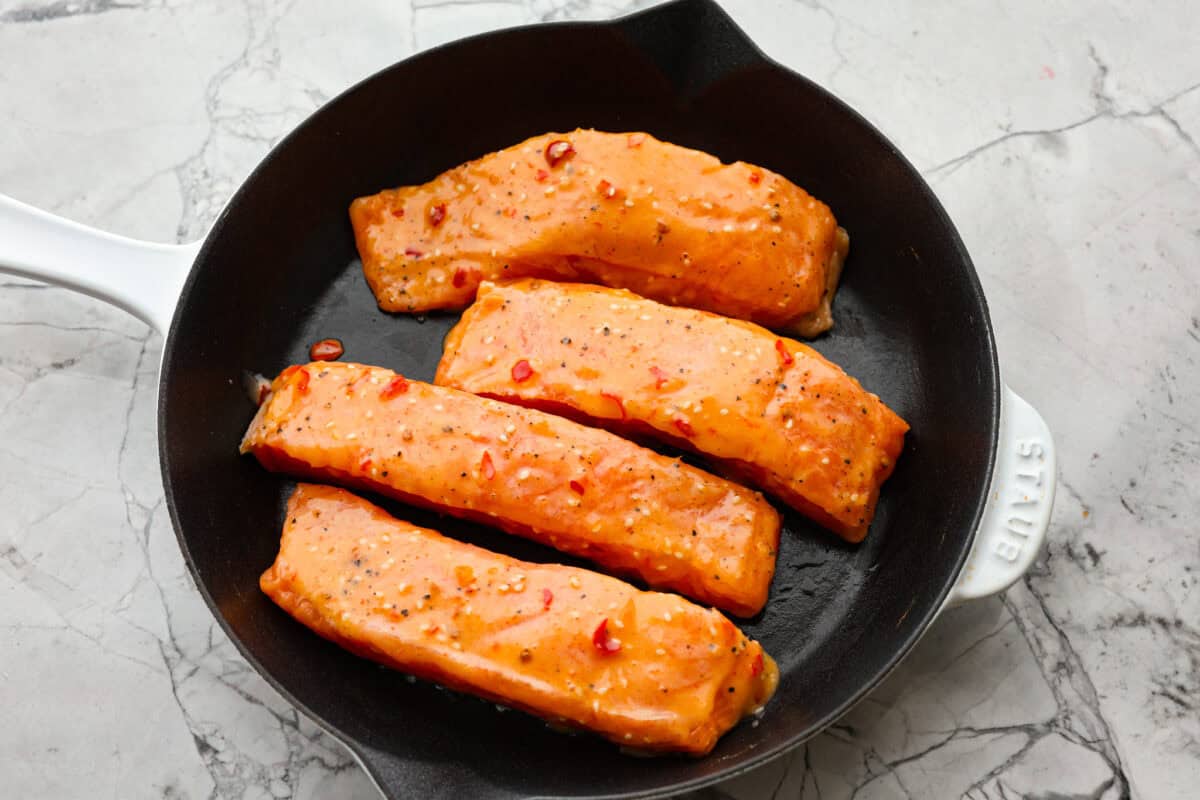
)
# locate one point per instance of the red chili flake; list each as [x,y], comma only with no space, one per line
[460,278]
[397,385]
[326,350]
[541,175]
[684,426]
[511,213]
[412,251]
[521,371]
[604,642]
[606,189]
[755,177]
[616,399]
[365,464]
[486,467]
[557,150]
[398,213]
[302,382]
[289,372]
[576,487]
[660,377]
[635,140]
[756,666]
[547,598]
[264,389]
[437,214]
[781,348]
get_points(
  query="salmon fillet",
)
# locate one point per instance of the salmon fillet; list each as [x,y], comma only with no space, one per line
[584,491]
[770,409]
[620,209]
[647,670]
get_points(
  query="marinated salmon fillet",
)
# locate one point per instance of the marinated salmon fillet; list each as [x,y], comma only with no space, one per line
[771,410]
[647,670]
[620,209]
[582,490]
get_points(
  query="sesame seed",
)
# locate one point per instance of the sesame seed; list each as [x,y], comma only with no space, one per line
[660,652]
[667,616]
[574,581]
[728,228]
[724,412]
[458,187]
[824,459]
[522,473]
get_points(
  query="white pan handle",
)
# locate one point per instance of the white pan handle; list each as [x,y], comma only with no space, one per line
[1014,524]
[142,278]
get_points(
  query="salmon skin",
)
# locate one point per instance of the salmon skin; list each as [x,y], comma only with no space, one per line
[647,670]
[620,209]
[769,409]
[582,490]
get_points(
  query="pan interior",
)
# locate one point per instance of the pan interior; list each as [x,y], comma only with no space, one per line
[279,271]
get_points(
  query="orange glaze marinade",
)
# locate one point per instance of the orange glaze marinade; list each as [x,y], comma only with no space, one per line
[647,670]
[770,409]
[620,209]
[582,490]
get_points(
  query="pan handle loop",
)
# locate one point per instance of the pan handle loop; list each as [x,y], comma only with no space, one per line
[143,278]
[1017,517]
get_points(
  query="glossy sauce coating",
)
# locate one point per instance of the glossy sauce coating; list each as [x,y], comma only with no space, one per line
[582,490]
[771,409]
[671,676]
[620,209]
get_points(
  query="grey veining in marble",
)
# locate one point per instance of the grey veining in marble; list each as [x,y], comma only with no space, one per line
[1063,139]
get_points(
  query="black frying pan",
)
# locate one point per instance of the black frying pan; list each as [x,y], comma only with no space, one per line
[279,271]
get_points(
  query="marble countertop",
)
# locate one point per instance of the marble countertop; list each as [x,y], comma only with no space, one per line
[1064,139]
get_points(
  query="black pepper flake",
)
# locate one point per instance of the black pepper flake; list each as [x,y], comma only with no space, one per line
[525,654]
[404,612]
[731,690]
[566,340]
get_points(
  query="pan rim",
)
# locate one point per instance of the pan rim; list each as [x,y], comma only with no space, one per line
[751,759]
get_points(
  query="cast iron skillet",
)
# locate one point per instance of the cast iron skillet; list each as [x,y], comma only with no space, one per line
[279,270]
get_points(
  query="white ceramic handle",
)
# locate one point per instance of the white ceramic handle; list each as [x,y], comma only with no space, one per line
[1017,516]
[142,278]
